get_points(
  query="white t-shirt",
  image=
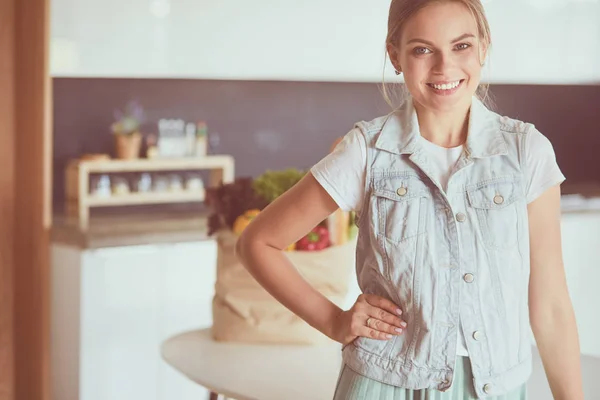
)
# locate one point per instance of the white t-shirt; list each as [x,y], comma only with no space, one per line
[443,161]
[342,173]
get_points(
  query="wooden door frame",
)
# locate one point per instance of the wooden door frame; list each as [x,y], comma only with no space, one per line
[7,123]
[25,199]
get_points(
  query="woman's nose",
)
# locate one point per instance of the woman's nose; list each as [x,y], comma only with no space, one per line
[443,62]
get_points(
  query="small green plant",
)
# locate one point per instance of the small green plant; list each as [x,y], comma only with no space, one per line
[272,184]
[128,122]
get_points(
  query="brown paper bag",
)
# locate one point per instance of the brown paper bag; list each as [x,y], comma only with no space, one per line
[245,312]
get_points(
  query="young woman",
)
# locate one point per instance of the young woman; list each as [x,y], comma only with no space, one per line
[459,250]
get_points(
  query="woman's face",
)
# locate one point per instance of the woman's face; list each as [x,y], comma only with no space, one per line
[441,56]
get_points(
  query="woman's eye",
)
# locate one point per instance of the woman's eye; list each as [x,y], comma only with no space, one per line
[463,46]
[421,50]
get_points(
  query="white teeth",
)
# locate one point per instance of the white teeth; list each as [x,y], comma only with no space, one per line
[446,86]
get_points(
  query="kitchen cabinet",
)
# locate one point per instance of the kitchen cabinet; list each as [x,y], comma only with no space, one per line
[113,307]
[581,254]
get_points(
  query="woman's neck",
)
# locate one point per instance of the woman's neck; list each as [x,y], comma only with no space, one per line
[446,129]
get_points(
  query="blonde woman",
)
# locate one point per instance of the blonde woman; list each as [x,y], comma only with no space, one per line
[459,250]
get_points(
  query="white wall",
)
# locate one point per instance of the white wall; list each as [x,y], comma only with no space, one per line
[535,41]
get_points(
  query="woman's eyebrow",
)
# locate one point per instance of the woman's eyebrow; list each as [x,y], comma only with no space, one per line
[458,39]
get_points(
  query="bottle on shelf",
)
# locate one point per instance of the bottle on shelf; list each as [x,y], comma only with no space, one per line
[201,139]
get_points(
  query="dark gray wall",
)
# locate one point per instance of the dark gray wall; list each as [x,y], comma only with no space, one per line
[272,125]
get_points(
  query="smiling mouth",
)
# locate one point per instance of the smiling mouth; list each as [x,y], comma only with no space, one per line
[446,85]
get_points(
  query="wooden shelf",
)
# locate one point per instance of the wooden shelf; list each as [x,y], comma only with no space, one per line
[156,165]
[146,198]
[79,200]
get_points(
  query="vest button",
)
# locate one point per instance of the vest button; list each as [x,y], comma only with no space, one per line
[487,388]
[498,199]
[469,278]
[460,217]
[477,335]
[401,191]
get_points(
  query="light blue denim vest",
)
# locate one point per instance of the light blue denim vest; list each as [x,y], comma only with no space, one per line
[440,255]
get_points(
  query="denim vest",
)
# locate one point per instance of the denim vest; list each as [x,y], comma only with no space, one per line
[441,254]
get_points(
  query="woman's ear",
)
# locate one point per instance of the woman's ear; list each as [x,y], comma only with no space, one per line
[483,50]
[394,58]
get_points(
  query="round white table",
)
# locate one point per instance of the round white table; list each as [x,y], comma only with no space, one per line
[255,372]
[276,372]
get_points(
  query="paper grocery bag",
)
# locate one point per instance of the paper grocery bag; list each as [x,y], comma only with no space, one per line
[245,312]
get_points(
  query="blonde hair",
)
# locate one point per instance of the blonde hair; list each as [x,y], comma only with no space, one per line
[402,10]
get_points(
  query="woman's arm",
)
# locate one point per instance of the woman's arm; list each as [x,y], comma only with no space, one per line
[286,220]
[550,310]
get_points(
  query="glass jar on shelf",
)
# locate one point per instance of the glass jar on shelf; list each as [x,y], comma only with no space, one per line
[160,183]
[193,183]
[100,186]
[143,183]
[120,186]
[175,183]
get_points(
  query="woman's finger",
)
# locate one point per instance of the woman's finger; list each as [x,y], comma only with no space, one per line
[373,333]
[381,302]
[382,326]
[386,317]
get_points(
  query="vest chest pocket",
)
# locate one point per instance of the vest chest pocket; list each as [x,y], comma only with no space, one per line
[400,203]
[496,204]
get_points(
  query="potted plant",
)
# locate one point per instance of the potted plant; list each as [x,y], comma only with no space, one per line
[126,131]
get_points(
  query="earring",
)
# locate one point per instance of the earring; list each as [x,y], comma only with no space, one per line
[398,72]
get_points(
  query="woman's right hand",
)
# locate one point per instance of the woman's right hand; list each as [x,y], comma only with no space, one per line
[371,316]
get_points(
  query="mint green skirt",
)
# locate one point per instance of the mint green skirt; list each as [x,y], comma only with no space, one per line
[352,386]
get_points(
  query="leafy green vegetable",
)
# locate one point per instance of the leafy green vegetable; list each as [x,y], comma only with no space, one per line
[273,184]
